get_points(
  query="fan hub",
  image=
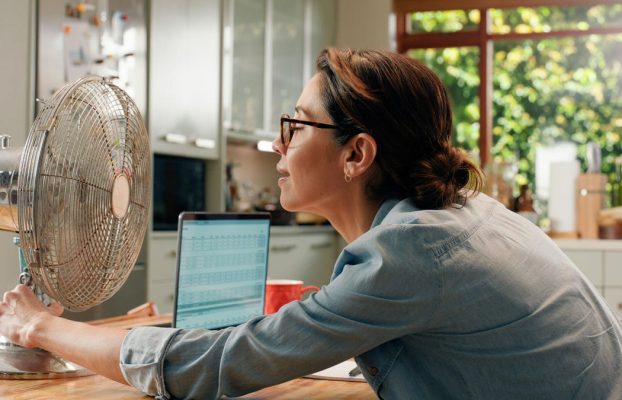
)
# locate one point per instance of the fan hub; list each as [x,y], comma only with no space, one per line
[120,195]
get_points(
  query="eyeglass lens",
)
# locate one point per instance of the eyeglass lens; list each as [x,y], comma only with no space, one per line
[286,132]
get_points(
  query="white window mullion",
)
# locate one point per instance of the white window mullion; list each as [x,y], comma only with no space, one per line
[227,68]
[307,67]
[267,95]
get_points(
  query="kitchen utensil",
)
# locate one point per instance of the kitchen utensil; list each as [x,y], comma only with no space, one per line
[593,158]
[590,199]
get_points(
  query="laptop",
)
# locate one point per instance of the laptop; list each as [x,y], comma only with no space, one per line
[222,267]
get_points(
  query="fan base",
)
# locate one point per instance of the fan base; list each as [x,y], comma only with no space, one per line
[17,362]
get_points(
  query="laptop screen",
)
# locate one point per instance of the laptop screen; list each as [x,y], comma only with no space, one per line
[222,266]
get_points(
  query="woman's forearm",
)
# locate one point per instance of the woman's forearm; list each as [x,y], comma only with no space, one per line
[93,347]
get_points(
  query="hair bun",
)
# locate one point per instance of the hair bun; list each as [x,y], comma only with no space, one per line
[438,181]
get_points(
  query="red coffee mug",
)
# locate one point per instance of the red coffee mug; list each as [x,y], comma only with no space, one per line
[281,291]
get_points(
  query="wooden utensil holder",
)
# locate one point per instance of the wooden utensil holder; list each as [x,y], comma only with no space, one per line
[590,200]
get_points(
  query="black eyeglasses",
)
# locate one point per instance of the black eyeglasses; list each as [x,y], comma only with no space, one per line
[288,127]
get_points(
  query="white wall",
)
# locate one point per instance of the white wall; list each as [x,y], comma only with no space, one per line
[363,24]
[16,101]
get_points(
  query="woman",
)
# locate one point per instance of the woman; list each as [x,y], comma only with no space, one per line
[441,292]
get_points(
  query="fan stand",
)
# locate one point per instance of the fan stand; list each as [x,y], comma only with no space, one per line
[17,362]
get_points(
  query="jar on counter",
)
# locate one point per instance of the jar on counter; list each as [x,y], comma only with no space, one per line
[610,223]
[523,205]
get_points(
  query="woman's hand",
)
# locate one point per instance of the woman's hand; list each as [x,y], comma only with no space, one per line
[26,321]
[20,313]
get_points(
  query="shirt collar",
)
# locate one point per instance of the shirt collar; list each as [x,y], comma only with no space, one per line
[384,209]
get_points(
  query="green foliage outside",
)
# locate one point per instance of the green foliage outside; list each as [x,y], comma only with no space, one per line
[559,88]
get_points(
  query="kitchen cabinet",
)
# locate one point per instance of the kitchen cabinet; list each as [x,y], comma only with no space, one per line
[601,262]
[613,276]
[303,253]
[243,59]
[161,270]
[17,99]
[288,59]
[269,51]
[590,262]
[184,77]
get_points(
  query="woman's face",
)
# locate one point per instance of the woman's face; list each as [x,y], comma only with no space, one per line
[311,168]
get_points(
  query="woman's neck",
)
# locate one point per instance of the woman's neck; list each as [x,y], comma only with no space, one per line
[353,217]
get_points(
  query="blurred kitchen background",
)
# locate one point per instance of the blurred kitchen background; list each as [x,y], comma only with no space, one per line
[536,87]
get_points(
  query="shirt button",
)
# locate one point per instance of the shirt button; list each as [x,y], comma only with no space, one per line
[373,371]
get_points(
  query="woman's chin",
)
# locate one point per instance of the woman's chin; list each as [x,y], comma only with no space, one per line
[289,204]
[287,207]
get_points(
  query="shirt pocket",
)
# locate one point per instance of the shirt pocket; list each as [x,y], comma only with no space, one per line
[376,364]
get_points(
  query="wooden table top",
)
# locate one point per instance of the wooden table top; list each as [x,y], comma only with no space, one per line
[97,387]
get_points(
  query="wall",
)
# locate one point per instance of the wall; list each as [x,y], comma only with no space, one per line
[363,24]
[16,101]
[254,168]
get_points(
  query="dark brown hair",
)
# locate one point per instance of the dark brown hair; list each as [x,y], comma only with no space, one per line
[404,106]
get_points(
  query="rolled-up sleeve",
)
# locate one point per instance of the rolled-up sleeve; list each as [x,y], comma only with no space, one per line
[142,359]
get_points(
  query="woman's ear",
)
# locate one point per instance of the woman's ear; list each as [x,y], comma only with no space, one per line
[360,153]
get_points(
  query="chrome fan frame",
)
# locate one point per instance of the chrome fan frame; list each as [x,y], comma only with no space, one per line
[81,197]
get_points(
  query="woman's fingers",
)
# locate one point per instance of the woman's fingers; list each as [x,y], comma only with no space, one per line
[56,309]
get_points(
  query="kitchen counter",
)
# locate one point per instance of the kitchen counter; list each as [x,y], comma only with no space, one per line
[300,229]
[279,230]
[589,244]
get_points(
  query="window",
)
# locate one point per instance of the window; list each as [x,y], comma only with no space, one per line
[458,68]
[523,74]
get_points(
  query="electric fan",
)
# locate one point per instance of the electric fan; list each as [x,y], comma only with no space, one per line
[78,194]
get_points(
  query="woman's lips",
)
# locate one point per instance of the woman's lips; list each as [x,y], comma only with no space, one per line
[283,173]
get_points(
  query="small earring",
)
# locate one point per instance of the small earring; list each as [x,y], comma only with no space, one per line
[347,177]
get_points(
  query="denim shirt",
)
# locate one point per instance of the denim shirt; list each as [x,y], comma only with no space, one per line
[462,303]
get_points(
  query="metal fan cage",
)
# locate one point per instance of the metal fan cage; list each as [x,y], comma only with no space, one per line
[85,137]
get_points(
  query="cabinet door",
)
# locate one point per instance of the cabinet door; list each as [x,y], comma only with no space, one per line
[244,47]
[613,268]
[613,280]
[16,101]
[287,62]
[614,298]
[306,257]
[269,52]
[322,30]
[163,295]
[590,262]
[162,259]
[161,270]
[184,81]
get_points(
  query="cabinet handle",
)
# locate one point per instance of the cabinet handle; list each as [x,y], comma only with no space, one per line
[619,306]
[316,246]
[173,253]
[283,248]
[170,298]
[176,138]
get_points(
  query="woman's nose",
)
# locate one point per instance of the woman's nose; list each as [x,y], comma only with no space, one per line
[277,146]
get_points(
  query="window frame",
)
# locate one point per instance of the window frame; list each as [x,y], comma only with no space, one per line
[483,39]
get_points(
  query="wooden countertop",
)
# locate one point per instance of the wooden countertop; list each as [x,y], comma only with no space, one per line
[96,387]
